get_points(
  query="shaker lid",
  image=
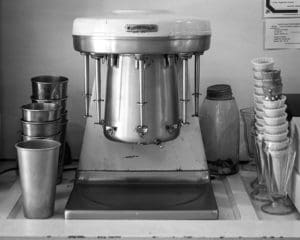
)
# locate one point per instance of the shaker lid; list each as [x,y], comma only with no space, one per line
[219,92]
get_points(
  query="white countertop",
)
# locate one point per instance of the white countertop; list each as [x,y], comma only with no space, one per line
[239,217]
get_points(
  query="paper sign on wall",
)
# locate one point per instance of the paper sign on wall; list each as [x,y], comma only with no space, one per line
[281,8]
[282,33]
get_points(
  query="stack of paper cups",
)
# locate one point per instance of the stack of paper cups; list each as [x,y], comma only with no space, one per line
[259,66]
[274,115]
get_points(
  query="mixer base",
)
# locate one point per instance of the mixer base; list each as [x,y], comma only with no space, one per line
[91,200]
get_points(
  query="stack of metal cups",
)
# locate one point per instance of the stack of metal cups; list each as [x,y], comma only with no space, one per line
[53,89]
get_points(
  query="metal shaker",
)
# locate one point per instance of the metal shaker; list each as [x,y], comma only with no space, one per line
[38,161]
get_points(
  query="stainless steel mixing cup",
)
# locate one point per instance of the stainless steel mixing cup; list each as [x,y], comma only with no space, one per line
[160,100]
[62,102]
[38,161]
[49,87]
[56,137]
[60,137]
[41,129]
[41,112]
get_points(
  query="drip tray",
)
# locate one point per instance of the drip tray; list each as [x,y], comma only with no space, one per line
[90,200]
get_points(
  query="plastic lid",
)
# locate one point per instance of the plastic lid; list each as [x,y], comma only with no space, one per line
[219,92]
[141,23]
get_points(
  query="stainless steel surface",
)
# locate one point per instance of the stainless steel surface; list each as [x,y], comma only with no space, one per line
[122,115]
[61,102]
[37,161]
[153,177]
[98,90]
[196,84]
[60,137]
[56,137]
[41,112]
[183,153]
[41,129]
[49,87]
[87,95]
[142,45]
[102,200]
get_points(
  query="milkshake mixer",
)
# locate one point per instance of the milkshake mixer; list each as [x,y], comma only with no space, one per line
[142,155]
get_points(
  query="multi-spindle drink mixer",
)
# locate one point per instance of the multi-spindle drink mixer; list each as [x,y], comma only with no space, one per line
[142,154]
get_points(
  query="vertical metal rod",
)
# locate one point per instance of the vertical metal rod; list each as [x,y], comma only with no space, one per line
[86,83]
[142,91]
[196,84]
[184,90]
[98,89]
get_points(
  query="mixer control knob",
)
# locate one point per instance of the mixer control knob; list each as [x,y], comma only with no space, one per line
[142,130]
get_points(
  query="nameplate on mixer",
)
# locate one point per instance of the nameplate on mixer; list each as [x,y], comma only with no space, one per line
[141,28]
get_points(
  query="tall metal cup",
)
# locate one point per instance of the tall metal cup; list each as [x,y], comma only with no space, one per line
[38,161]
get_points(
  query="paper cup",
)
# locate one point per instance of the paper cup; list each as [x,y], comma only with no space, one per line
[259,120]
[258,82]
[275,104]
[258,97]
[258,90]
[259,106]
[259,127]
[276,129]
[274,112]
[273,121]
[276,137]
[259,113]
[262,63]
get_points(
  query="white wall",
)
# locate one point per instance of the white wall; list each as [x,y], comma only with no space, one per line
[36,39]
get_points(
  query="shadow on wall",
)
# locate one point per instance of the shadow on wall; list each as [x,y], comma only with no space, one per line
[75,139]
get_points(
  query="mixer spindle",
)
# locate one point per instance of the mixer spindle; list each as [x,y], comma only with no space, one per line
[196,93]
[142,129]
[87,94]
[184,98]
[98,89]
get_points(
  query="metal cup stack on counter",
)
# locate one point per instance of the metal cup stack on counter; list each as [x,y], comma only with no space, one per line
[46,116]
[275,153]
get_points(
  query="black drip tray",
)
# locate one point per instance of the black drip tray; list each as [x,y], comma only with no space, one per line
[141,201]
